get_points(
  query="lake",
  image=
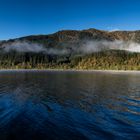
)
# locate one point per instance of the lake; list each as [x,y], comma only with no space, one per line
[68,105]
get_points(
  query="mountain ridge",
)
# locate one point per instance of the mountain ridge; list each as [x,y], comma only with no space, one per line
[91,34]
[73,49]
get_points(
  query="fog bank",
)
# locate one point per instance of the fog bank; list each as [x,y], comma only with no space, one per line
[85,47]
[96,46]
[31,47]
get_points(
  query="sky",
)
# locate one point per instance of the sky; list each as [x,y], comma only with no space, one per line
[32,17]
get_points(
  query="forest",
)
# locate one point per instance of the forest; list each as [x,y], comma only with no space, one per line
[104,60]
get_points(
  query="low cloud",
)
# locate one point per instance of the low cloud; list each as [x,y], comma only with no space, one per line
[96,46]
[85,47]
[23,47]
[31,47]
[113,30]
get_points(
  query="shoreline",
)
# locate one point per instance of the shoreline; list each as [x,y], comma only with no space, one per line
[69,70]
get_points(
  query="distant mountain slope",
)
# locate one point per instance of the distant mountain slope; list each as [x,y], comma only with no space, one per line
[70,49]
[71,37]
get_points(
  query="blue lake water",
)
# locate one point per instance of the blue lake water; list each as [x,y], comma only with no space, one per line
[56,105]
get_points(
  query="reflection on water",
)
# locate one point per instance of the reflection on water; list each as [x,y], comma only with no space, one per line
[69,105]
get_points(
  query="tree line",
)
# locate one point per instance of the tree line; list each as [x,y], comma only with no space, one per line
[111,59]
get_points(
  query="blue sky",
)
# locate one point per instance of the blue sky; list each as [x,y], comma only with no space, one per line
[27,17]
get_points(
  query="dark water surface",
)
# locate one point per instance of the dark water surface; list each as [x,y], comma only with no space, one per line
[69,106]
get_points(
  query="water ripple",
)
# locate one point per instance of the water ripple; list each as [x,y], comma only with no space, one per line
[69,105]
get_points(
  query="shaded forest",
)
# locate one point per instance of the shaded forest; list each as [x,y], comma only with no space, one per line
[109,60]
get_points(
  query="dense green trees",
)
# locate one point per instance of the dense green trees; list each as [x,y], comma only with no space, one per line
[115,60]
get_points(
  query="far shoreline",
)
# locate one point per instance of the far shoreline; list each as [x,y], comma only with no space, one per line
[69,70]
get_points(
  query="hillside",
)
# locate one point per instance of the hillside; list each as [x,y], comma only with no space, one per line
[69,49]
[74,37]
